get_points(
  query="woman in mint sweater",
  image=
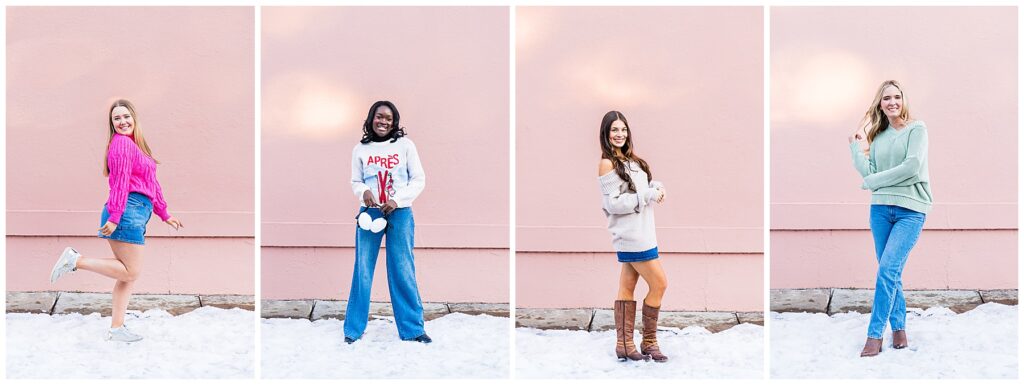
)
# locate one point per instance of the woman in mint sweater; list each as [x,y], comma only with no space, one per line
[629,194]
[895,169]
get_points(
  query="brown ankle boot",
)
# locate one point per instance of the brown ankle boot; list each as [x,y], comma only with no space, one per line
[872,347]
[899,339]
[625,318]
[649,345]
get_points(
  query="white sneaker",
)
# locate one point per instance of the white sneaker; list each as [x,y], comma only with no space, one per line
[122,334]
[65,264]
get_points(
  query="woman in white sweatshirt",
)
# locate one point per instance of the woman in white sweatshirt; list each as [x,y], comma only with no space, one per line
[628,195]
[386,177]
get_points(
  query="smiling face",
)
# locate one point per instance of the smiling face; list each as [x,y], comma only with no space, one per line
[618,133]
[382,121]
[122,120]
[891,102]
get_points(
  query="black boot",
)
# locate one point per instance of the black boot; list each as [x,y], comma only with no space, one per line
[424,338]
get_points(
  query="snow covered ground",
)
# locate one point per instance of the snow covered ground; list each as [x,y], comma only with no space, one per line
[981,343]
[464,346]
[693,352]
[205,343]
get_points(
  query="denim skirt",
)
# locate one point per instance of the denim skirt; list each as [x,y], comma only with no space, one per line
[132,228]
[638,256]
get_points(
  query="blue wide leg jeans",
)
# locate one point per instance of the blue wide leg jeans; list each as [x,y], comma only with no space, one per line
[405,296]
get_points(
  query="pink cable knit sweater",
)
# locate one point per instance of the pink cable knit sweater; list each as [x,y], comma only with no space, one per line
[131,170]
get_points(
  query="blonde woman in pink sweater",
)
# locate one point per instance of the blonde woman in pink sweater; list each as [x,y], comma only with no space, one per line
[134,196]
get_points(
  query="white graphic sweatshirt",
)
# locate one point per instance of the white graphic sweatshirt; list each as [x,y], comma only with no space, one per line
[389,170]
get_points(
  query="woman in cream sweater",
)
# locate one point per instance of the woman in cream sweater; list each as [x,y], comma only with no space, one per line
[628,198]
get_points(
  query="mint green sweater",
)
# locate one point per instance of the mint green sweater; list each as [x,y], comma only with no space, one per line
[896,172]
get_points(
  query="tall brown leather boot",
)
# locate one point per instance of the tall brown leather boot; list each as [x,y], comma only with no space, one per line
[625,319]
[649,345]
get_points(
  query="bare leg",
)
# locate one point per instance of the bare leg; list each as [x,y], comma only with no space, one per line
[109,267]
[654,275]
[129,256]
[627,282]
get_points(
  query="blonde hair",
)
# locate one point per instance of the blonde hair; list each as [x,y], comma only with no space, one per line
[140,140]
[875,118]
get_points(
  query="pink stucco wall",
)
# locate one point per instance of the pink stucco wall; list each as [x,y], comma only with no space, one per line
[689,79]
[959,69]
[446,69]
[189,71]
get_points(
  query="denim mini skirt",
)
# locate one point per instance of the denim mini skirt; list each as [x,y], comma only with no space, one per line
[132,228]
[638,256]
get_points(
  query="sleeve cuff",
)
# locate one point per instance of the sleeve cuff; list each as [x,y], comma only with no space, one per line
[164,215]
[649,195]
[115,217]
[855,148]
[360,190]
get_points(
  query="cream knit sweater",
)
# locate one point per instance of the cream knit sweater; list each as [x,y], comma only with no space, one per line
[630,215]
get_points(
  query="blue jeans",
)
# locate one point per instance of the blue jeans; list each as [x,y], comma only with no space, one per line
[895,230]
[405,296]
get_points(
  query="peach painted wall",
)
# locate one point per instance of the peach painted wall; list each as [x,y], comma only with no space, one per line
[689,79]
[446,69]
[189,71]
[958,67]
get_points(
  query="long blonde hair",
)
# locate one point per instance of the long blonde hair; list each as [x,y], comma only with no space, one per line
[140,140]
[875,118]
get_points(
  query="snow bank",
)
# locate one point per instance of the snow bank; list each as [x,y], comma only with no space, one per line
[981,343]
[464,347]
[694,352]
[206,343]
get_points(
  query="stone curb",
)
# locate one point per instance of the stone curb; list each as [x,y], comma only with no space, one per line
[245,302]
[31,302]
[492,309]
[832,301]
[51,302]
[572,319]
[297,309]
[756,318]
[1005,297]
[800,300]
[594,320]
[315,309]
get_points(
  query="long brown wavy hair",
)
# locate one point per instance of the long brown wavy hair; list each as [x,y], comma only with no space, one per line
[608,151]
[875,118]
[140,140]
